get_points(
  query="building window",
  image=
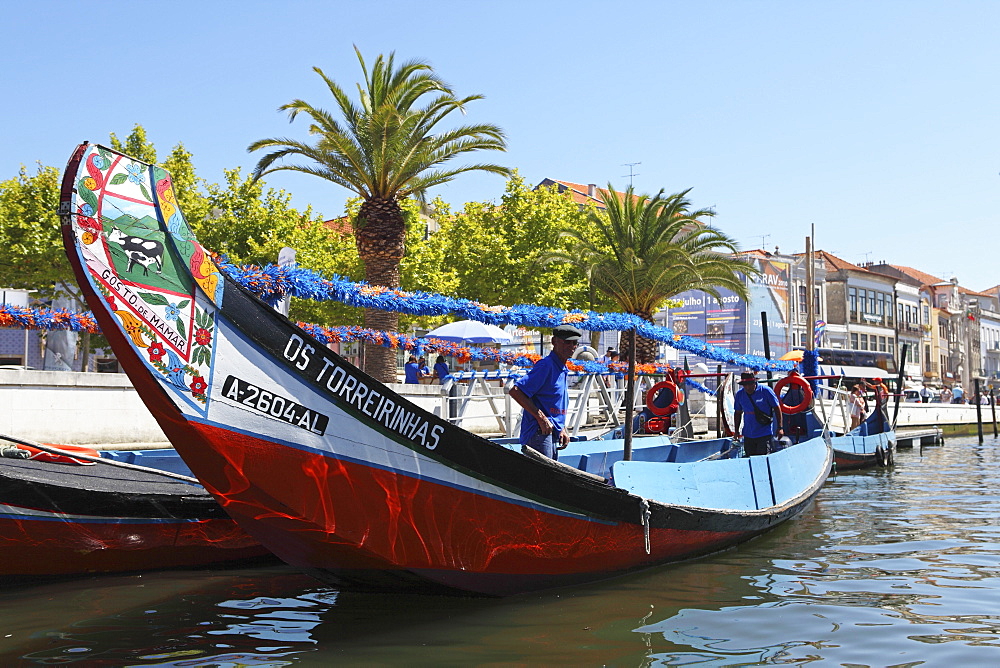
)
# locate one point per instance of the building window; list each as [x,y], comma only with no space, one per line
[864,342]
[882,345]
[852,300]
[107,365]
[803,306]
[862,301]
[854,342]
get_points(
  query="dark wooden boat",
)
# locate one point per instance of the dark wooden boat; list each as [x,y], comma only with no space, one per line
[870,444]
[60,519]
[342,477]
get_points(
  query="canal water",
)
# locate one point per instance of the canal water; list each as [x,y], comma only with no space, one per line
[887,568]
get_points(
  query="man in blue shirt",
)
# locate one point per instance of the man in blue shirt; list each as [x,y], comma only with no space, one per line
[761,403]
[543,395]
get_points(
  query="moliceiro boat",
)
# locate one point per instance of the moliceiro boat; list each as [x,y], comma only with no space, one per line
[342,477]
[62,514]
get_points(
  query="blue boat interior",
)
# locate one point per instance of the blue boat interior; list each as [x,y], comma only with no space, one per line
[162,459]
[599,454]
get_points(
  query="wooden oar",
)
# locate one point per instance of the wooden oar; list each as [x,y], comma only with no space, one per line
[97,460]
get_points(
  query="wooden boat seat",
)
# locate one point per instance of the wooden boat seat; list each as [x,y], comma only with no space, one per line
[165,459]
[601,463]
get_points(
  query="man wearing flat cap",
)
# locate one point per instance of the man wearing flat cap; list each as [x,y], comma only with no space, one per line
[764,419]
[542,393]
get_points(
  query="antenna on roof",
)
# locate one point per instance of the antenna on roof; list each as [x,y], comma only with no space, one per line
[631,173]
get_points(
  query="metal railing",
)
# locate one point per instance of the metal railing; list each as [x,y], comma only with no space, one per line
[595,400]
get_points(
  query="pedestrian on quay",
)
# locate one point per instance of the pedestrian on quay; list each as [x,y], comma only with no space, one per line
[764,422]
[412,371]
[857,404]
[881,390]
[441,370]
[542,393]
[946,396]
[957,394]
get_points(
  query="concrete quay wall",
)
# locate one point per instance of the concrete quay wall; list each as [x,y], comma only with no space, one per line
[103,409]
[74,408]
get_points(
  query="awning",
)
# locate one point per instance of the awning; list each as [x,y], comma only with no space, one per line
[852,371]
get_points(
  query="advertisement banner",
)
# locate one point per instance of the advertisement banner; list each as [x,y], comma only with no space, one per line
[731,323]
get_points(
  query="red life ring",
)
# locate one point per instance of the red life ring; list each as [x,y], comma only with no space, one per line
[803,384]
[670,408]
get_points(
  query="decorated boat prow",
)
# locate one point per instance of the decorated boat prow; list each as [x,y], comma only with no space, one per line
[340,475]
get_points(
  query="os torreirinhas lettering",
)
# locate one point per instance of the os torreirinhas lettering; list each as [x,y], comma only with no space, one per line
[342,384]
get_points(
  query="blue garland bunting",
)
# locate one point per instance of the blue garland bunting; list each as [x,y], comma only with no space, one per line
[271,283]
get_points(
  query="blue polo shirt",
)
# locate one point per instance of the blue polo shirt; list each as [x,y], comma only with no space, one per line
[767,403]
[545,385]
[412,370]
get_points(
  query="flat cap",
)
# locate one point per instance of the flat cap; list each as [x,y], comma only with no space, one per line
[567,332]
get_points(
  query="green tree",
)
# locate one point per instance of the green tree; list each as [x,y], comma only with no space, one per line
[386,147]
[188,187]
[33,256]
[498,251]
[135,145]
[649,249]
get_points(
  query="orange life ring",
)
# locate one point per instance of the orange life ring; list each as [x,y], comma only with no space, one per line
[807,393]
[670,408]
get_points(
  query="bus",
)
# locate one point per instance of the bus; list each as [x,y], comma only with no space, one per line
[868,359]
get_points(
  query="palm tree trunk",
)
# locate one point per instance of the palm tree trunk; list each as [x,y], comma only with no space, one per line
[646,349]
[380,235]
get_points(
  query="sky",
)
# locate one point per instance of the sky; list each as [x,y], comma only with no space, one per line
[874,123]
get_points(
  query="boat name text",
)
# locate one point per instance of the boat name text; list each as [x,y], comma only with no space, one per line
[344,385]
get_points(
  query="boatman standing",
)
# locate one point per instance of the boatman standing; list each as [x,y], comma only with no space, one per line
[542,393]
[761,403]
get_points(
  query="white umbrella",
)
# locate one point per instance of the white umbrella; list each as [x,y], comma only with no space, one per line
[472,331]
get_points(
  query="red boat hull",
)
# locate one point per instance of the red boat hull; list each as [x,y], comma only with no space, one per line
[49,547]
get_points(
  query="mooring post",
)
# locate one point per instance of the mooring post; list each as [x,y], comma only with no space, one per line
[767,339]
[993,409]
[979,411]
[719,394]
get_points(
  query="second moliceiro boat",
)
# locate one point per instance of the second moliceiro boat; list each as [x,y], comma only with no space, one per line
[342,477]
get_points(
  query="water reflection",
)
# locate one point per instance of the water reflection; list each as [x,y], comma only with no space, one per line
[888,568]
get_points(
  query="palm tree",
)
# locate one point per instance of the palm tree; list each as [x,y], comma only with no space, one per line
[648,249]
[386,147]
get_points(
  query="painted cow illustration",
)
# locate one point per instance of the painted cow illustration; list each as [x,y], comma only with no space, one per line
[138,251]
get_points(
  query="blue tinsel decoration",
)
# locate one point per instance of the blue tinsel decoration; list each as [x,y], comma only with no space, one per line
[271,283]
